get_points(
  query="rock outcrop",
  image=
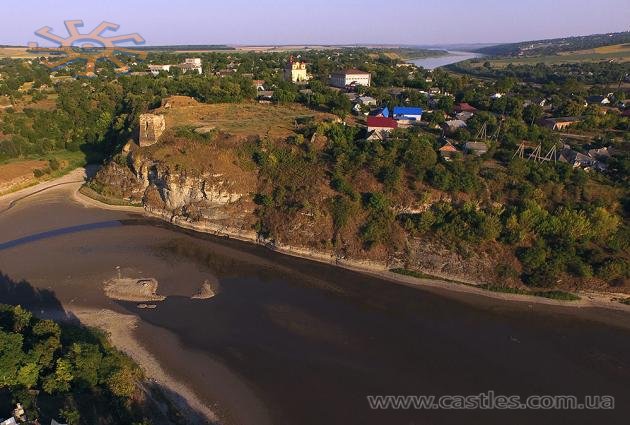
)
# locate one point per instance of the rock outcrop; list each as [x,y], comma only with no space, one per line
[151,128]
[208,290]
[127,289]
[221,198]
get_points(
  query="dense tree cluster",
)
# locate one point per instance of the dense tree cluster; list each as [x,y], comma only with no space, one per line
[541,73]
[55,368]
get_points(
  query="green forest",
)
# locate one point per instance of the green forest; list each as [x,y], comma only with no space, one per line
[64,372]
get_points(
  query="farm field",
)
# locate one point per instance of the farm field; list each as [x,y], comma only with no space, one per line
[19,173]
[16,53]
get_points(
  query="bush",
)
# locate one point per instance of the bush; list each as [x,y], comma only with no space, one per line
[506,271]
[412,273]
[377,228]
[341,209]
[614,269]
[557,295]
[54,164]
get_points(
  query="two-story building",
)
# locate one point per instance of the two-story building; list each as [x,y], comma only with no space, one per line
[350,77]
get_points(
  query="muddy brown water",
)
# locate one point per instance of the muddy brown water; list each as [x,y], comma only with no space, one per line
[289,341]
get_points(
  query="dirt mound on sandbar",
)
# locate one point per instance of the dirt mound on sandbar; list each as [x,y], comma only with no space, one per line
[208,290]
[126,289]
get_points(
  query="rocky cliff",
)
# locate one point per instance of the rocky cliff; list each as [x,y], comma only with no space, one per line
[221,201]
[167,191]
[243,171]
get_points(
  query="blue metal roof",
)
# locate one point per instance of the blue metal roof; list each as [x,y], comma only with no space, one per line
[407,110]
[384,111]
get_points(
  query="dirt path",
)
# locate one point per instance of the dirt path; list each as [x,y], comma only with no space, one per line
[76,177]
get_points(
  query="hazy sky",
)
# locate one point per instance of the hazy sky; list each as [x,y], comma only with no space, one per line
[321,21]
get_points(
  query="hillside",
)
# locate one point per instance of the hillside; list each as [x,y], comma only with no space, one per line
[556,45]
[317,186]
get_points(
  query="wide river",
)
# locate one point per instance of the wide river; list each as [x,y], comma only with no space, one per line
[452,57]
[289,341]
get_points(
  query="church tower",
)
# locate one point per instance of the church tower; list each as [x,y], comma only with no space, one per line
[295,71]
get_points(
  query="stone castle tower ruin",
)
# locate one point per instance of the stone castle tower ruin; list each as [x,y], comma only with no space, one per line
[151,128]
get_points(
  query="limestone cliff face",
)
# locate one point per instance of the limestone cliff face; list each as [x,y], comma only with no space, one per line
[163,190]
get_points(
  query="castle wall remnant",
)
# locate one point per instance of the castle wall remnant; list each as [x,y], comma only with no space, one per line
[151,128]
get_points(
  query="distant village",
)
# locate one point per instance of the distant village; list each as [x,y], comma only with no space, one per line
[380,121]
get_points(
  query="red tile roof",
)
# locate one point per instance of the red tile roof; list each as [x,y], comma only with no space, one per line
[465,107]
[448,148]
[382,122]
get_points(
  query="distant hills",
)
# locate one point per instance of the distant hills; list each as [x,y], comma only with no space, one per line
[186,47]
[556,45]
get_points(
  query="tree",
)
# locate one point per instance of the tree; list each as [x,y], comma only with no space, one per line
[85,359]
[446,104]
[377,228]
[11,356]
[71,415]
[532,113]
[122,383]
[604,224]
[419,156]
[21,318]
[571,108]
[28,375]
[533,258]
[59,381]
[342,209]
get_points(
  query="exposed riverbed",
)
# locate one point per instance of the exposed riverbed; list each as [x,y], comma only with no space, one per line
[289,341]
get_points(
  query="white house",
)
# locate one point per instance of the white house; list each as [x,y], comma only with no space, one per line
[350,77]
[452,126]
[156,69]
[192,64]
[366,101]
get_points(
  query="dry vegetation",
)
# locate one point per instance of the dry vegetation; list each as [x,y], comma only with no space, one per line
[243,119]
[18,172]
[16,53]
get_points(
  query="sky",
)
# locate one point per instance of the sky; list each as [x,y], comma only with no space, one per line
[275,22]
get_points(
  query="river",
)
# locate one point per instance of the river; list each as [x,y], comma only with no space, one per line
[290,341]
[439,61]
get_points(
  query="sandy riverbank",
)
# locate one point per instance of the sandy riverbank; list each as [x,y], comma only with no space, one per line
[607,300]
[120,328]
